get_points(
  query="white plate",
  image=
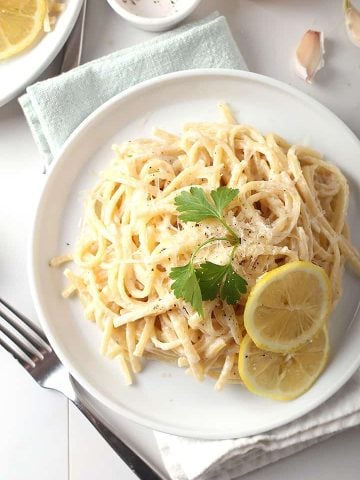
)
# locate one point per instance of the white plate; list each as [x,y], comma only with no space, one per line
[164,398]
[18,72]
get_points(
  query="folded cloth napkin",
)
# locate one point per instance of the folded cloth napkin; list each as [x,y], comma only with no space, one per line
[191,459]
[55,107]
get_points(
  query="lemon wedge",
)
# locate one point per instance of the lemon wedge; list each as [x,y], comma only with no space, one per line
[287,306]
[21,21]
[283,376]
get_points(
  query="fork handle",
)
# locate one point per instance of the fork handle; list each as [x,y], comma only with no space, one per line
[134,461]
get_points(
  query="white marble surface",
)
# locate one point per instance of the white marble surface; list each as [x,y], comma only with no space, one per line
[43,438]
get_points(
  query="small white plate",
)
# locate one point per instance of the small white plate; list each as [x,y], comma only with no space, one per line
[154,16]
[163,397]
[18,72]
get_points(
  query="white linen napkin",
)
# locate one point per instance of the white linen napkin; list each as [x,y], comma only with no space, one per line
[192,459]
[56,106]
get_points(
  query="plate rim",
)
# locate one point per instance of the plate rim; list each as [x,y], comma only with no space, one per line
[45,62]
[35,232]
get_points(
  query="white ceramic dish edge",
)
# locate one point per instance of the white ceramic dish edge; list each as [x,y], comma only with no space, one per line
[156,24]
[45,62]
[34,278]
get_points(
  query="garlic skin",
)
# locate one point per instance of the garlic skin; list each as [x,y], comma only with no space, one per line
[310,55]
[352,22]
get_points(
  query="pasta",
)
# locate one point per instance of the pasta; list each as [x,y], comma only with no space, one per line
[291,206]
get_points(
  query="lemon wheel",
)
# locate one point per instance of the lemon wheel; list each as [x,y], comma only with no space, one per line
[283,376]
[21,21]
[287,306]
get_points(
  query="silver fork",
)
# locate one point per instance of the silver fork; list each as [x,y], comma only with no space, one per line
[28,344]
[74,44]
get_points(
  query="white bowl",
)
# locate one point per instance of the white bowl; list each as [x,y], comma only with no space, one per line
[163,397]
[135,12]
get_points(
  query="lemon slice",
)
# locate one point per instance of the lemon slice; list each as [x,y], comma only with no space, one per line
[21,21]
[287,306]
[283,376]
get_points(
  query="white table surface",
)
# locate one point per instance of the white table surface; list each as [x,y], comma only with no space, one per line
[41,436]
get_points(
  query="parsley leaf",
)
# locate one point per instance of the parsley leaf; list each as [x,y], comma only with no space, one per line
[194,206]
[186,286]
[215,278]
[222,196]
[210,276]
[234,285]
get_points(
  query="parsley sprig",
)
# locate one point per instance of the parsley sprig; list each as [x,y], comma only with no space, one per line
[196,285]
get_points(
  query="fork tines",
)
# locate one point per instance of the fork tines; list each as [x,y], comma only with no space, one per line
[20,337]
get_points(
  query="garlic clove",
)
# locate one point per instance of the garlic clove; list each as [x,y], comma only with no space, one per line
[310,55]
[352,22]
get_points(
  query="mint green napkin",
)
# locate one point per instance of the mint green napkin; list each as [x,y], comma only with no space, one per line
[55,107]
